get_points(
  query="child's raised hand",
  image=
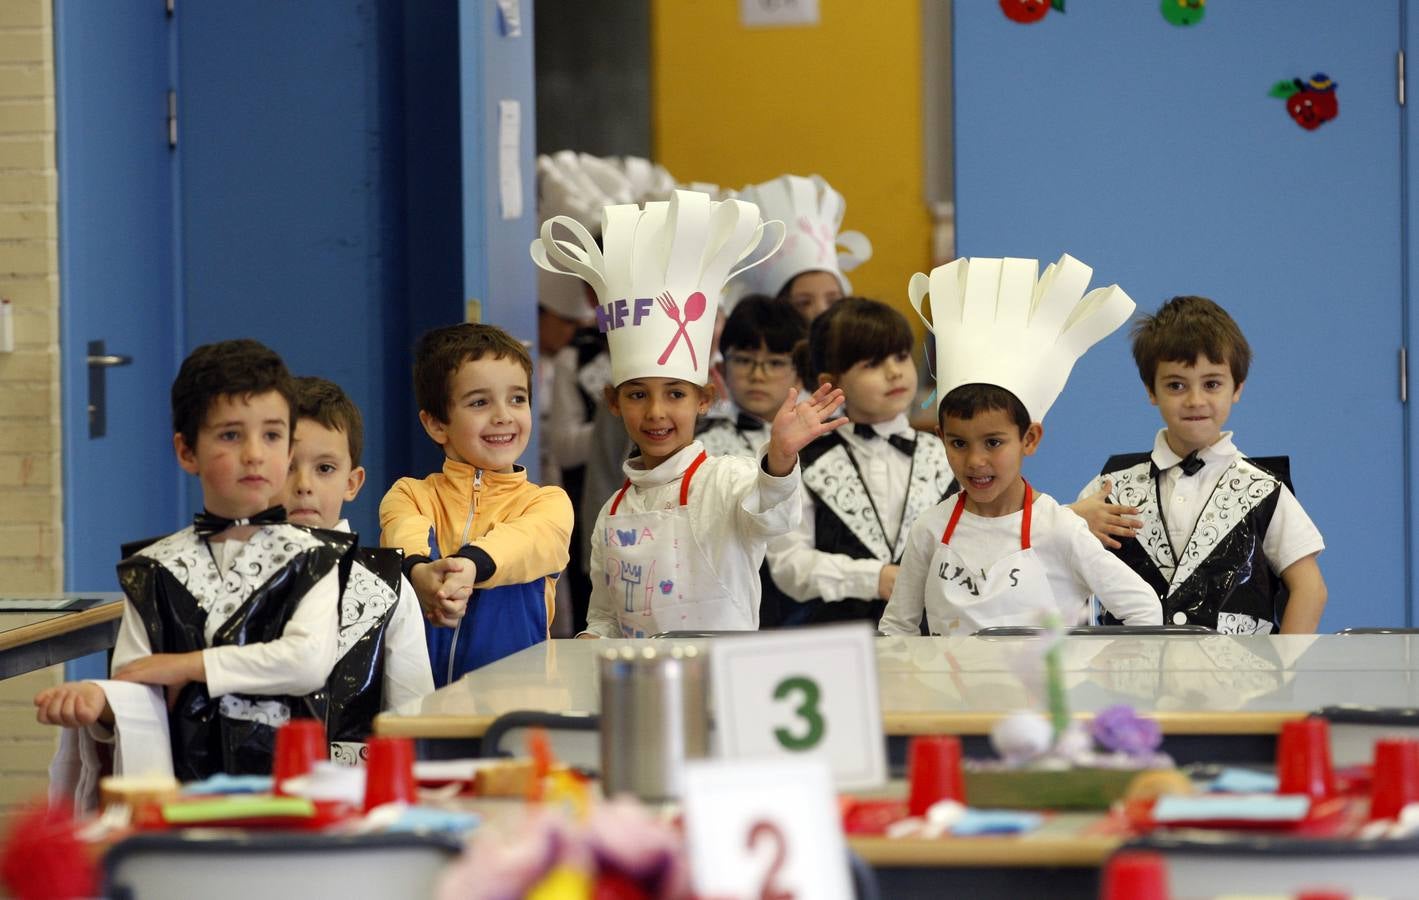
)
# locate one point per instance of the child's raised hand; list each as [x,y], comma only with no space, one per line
[72,705]
[797,424]
[170,669]
[1107,520]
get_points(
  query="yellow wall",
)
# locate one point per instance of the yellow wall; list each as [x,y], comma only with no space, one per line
[735,106]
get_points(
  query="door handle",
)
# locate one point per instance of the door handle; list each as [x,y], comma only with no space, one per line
[99,361]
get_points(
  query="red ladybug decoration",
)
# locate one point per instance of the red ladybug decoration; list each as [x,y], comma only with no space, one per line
[1311,103]
[1029,11]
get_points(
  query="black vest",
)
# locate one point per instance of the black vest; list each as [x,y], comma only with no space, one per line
[1221,579]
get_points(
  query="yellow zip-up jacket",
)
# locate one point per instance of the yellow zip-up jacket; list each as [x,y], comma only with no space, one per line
[525,528]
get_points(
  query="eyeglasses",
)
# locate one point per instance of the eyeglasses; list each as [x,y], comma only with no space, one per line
[773,366]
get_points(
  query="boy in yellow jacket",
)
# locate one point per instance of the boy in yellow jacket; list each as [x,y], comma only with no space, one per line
[482,545]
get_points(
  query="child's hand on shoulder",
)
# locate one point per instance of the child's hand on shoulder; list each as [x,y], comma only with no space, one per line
[1107,521]
[72,705]
[797,424]
[169,669]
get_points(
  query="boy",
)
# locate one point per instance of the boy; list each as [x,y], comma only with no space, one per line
[998,553]
[758,341]
[680,545]
[482,545]
[236,614]
[382,660]
[1244,541]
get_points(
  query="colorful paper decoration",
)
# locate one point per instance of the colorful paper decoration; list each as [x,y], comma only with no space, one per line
[1027,12]
[1312,102]
[1184,12]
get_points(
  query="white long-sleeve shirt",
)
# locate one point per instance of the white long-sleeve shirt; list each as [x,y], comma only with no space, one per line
[1075,563]
[734,507]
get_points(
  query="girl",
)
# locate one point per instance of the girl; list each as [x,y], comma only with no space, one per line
[865,483]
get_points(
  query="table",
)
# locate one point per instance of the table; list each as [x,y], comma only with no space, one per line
[1217,697]
[32,640]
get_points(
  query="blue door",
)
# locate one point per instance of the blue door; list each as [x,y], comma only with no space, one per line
[1154,153]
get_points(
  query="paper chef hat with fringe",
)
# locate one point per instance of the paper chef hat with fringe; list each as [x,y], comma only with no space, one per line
[995,323]
[578,186]
[812,213]
[658,276]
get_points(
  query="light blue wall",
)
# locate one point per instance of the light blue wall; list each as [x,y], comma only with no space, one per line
[1154,154]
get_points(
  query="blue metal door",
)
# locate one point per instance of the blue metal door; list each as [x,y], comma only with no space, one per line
[1154,153]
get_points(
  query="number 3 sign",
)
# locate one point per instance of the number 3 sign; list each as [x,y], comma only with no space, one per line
[766,830]
[792,693]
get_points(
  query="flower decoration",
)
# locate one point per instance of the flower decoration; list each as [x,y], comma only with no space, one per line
[1122,730]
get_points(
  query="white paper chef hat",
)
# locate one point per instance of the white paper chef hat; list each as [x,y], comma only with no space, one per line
[576,185]
[812,213]
[995,323]
[658,276]
[648,180]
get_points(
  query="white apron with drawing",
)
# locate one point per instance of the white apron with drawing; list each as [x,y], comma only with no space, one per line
[1014,591]
[659,577]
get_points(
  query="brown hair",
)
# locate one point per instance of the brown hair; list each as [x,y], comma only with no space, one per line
[323,402]
[853,330]
[1185,328]
[440,353]
[239,368]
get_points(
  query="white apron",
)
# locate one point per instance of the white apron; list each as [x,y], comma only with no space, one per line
[1015,591]
[660,579]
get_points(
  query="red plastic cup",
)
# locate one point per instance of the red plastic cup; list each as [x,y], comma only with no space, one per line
[1396,778]
[300,743]
[389,772]
[934,772]
[1135,875]
[1303,759]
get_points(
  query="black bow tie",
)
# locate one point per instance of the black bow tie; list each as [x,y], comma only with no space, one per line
[900,441]
[207,524]
[746,422]
[1191,464]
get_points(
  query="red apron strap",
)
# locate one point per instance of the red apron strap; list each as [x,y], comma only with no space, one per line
[955,517]
[1025,519]
[685,480]
[619,494]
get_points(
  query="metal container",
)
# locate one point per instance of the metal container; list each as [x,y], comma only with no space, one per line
[653,718]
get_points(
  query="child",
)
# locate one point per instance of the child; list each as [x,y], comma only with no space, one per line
[680,545]
[1244,541]
[807,271]
[757,342]
[236,614]
[864,486]
[482,545]
[999,553]
[382,660]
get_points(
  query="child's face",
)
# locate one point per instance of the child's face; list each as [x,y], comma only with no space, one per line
[1195,400]
[321,477]
[758,380]
[489,416]
[241,453]
[811,293]
[879,390]
[985,454]
[659,414]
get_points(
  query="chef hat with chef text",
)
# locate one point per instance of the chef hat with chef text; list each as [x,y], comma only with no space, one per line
[995,322]
[658,276]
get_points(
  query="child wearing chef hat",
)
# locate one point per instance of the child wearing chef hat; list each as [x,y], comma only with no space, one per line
[679,546]
[999,553]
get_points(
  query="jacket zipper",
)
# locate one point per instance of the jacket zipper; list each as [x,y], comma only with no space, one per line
[467,527]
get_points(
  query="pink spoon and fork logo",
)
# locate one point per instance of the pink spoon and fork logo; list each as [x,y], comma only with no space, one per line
[694,308]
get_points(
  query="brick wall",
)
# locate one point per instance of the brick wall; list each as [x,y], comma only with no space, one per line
[30,490]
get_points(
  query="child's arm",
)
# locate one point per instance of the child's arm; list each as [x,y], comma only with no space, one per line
[533,545]
[1307,596]
[1107,521]
[908,601]
[804,572]
[797,424]
[298,662]
[405,526]
[407,672]
[1122,590]
[600,614]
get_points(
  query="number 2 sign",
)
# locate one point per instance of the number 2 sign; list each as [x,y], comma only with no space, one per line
[766,830]
[794,693]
